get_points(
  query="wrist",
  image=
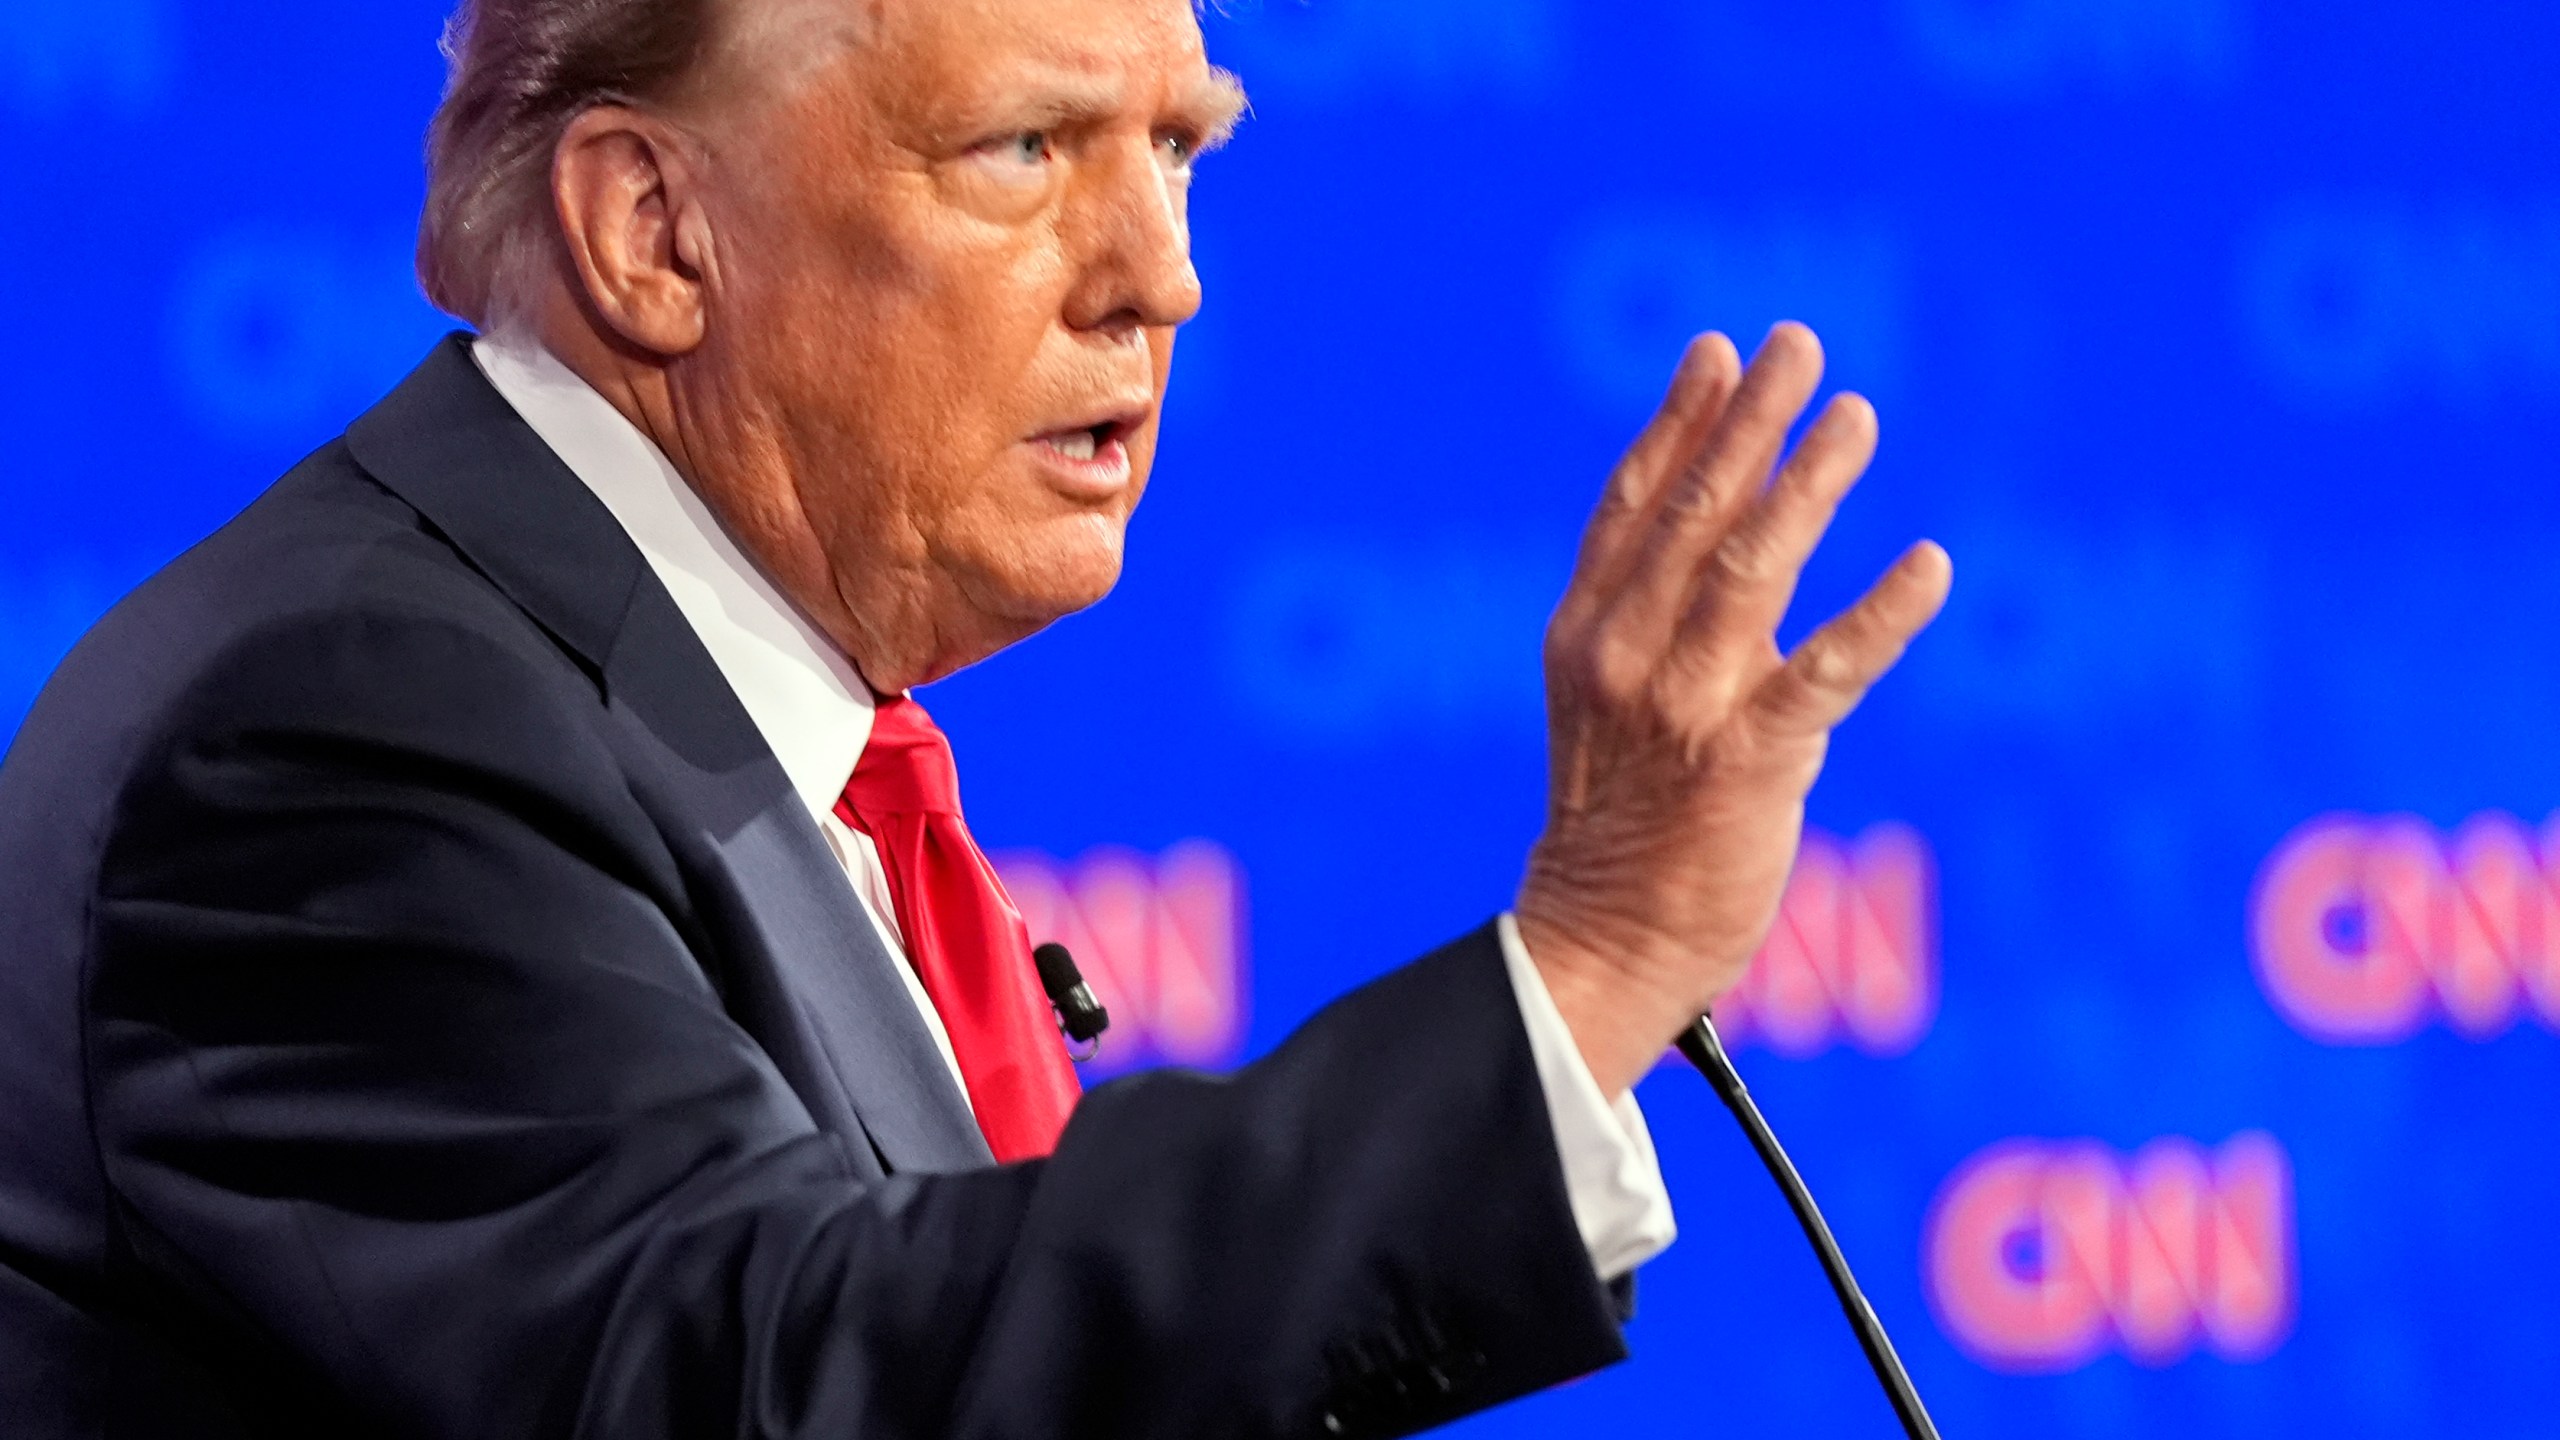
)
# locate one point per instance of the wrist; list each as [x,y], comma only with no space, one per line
[1620,1022]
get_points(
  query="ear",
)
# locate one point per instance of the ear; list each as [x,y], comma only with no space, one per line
[635,231]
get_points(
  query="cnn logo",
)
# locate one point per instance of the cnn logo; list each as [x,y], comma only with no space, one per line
[1853,956]
[2364,930]
[1160,940]
[2042,1256]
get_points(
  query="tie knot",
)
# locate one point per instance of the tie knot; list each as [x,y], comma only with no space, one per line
[906,767]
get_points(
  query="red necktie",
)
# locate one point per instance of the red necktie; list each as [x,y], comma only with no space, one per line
[963,935]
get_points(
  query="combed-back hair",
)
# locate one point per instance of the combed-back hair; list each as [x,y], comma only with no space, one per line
[521,70]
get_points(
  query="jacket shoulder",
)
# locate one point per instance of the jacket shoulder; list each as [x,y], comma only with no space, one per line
[328,607]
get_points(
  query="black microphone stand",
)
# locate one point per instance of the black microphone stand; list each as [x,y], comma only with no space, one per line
[1705,1049]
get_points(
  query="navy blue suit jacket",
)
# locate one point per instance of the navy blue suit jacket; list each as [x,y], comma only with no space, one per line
[426,1010]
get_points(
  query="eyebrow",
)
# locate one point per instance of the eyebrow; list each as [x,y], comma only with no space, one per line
[1218,103]
[1060,97]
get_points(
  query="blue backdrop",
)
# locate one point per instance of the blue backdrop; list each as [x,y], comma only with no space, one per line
[2158,1079]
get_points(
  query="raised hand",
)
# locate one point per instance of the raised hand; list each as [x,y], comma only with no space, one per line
[1682,741]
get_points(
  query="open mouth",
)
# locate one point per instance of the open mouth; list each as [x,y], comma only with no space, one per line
[1087,456]
[1090,462]
[1091,443]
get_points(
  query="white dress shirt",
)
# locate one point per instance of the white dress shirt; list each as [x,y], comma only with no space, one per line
[814,711]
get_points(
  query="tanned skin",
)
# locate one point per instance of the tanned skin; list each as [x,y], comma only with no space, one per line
[894,285]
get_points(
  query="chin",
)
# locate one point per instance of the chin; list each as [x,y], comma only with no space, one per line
[1071,566]
[1086,570]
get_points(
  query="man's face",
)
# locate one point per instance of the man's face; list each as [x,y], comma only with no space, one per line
[948,261]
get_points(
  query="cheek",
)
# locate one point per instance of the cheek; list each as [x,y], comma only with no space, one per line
[888,290]
[967,351]
[908,347]
[1142,443]
[888,397]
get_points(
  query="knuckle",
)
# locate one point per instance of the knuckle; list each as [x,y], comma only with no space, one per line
[1572,658]
[1696,676]
[1568,657]
[1831,667]
[1692,499]
[1567,627]
[1619,670]
[1747,557]
[1626,490]
[1557,657]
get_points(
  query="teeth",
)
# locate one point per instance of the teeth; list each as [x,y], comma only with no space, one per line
[1074,444]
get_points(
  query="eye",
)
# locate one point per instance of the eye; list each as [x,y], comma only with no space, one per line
[1027,149]
[1177,152]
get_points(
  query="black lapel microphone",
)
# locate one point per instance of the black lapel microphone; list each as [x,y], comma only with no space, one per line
[1080,1015]
[1705,1049]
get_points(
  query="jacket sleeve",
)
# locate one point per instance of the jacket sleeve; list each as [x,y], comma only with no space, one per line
[412,1086]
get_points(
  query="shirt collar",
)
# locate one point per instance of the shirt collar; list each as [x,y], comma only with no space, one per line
[805,698]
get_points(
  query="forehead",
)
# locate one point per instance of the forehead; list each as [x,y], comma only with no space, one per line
[1125,28]
[1106,55]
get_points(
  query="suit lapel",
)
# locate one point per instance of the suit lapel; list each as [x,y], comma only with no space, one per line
[841,1014]
[804,967]
[450,446]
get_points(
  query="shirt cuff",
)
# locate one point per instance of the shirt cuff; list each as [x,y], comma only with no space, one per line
[1610,1173]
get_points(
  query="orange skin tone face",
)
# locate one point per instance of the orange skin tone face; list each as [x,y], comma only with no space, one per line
[894,285]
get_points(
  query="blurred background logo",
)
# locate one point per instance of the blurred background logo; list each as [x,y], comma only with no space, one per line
[2374,304]
[2011,48]
[2365,930]
[1634,288]
[283,331]
[1853,958]
[2060,630]
[1160,939]
[2044,1255]
[1341,643]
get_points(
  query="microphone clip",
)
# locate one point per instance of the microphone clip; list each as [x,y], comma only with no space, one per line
[1081,1017]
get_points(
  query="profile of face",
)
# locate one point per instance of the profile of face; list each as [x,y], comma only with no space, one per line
[936,251]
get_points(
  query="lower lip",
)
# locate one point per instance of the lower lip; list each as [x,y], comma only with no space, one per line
[1100,478]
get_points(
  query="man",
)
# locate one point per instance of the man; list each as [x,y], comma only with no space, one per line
[487,945]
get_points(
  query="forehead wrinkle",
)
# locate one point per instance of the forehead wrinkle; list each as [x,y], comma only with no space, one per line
[1053,95]
[1213,100]
[1048,94]
[775,46]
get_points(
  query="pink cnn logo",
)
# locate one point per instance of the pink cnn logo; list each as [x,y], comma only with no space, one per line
[2043,1255]
[1853,957]
[1160,940]
[2363,930]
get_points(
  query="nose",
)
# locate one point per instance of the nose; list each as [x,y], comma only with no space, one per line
[1134,257]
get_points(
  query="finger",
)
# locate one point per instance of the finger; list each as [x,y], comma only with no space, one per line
[1750,577]
[1709,370]
[1724,475]
[1832,670]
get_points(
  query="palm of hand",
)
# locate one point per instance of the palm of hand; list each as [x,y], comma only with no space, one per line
[1682,740]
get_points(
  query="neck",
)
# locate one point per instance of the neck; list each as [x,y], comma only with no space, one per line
[890,638]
